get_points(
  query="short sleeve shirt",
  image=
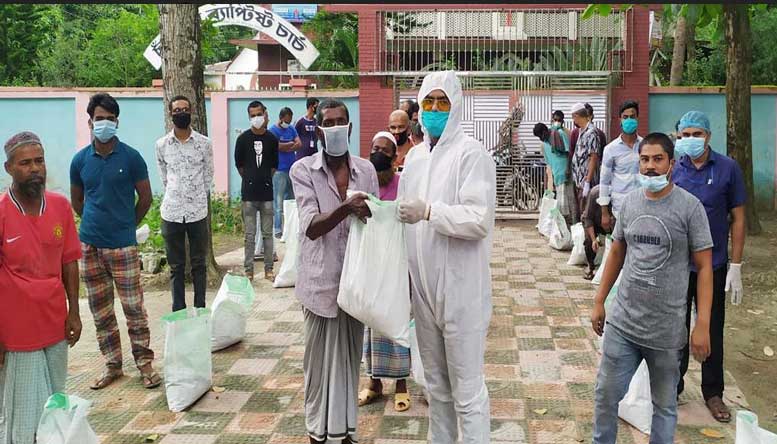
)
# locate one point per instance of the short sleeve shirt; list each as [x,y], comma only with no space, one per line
[660,237]
[108,219]
[32,252]
[284,135]
[307,135]
[257,155]
[720,186]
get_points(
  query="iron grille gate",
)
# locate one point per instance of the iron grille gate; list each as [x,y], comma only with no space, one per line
[501,110]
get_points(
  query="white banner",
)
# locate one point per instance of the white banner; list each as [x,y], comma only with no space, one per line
[254,17]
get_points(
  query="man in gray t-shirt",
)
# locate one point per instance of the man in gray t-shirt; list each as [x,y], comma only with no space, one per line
[659,230]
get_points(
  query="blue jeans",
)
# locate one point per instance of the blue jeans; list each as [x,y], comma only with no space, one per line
[281,185]
[620,359]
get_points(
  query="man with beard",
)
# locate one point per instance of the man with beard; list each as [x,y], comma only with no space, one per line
[399,126]
[185,161]
[39,252]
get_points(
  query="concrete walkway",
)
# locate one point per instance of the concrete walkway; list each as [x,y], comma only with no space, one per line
[540,368]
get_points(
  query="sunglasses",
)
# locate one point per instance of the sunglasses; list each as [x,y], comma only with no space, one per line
[443,104]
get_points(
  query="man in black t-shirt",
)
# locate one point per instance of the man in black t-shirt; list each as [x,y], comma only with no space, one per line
[256,159]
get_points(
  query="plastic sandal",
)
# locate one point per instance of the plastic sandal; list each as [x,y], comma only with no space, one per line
[401,402]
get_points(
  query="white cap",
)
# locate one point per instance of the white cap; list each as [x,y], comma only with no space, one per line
[385,134]
[577,107]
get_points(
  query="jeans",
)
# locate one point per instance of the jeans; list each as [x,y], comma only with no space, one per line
[265,210]
[620,359]
[281,185]
[175,234]
[712,367]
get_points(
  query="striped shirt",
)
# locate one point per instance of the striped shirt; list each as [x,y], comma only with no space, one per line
[320,261]
[620,167]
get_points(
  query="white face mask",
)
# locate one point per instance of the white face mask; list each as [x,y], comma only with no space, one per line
[284,125]
[336,139]
[258,121]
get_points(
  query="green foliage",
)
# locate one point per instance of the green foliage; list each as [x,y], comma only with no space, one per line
[336,36]
[91,45]
[24,32]
[215,41]
[226,218]
[578,57]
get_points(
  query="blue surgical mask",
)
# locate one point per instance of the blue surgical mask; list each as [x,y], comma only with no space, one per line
[692,146]
[653,184]
[629,126]
[435,121]
[104,130]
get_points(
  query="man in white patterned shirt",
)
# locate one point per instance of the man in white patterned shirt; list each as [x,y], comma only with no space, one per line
[185,161]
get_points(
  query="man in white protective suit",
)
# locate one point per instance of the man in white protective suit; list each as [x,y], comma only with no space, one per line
[447,198]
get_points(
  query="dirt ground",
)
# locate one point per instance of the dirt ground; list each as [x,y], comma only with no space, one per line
[752,325]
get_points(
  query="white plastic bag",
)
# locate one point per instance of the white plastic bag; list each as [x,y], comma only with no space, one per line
[188,365]
[598,276]
[415,361]
[636,407]
[374,285]
[142,234]
[560,237]
[64,421]
[748,431]
[545,223]
[287,275]
[230,310]
[578,245]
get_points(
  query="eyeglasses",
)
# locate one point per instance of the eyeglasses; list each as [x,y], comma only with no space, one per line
[443,104]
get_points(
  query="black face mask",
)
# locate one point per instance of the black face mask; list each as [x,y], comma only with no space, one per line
[380,161]
[182,120]
[401,138]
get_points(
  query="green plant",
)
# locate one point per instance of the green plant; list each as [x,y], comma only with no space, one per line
[336,36]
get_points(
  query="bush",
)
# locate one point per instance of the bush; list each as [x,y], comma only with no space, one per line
[226,218]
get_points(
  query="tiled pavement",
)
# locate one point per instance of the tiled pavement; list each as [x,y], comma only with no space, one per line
[540,369]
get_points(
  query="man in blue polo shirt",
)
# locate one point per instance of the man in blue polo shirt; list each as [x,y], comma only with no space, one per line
[104,177]
[288,143]
[717,181]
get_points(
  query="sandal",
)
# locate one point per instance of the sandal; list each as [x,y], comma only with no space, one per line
[718,409]
[106,379]
[367,395]
[401,401]
[151,380]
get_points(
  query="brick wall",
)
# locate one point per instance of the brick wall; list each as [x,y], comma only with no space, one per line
[636,83]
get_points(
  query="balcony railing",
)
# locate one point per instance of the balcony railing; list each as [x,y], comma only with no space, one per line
[503,40]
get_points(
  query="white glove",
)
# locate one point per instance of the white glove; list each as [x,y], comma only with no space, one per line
[412,211]
[734,283]
[586,188]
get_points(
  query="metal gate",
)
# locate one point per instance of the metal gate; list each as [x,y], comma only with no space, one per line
[501,109]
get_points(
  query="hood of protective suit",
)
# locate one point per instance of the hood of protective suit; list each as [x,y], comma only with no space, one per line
[451,86]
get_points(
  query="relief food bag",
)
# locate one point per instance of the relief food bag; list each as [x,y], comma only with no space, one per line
[188,364]
[560,237]
[578,245]
[64,421]
[545,222]
[287,275]
[375,284]
[230,310]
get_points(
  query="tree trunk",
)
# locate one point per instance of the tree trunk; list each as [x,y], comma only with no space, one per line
[183,74]
[738,78]
[678,51]
[690,41]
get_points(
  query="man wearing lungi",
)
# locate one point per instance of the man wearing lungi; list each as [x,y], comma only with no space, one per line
[333,339]
[39,316]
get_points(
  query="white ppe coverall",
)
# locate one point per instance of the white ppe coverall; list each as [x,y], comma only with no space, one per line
[449,266]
